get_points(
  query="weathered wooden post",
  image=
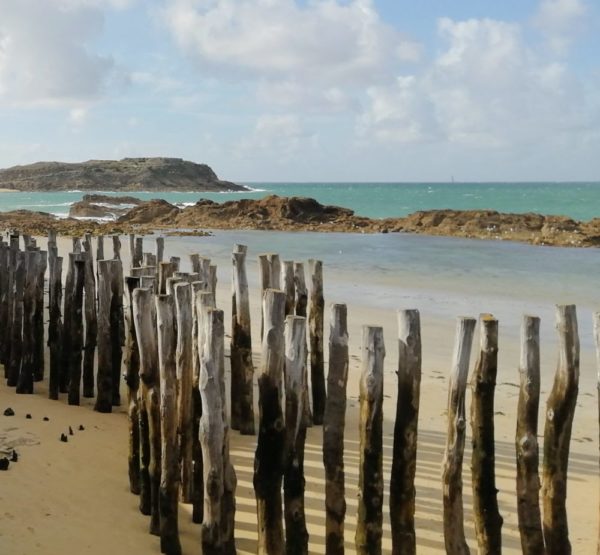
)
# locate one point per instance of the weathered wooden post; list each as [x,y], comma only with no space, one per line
[557,433]
[76,245]
[4,273]
[131,238]
[242,368]
[287,279]
[370,480]
[100,247]
[268,461]
[404,457]
[270,276]
[315,320]
[144,315]
[76,331]
[132,380]
[170,471]
[185,378]
[334,423]
[67,317]
[116,247]
[117,330]
[454,531]
[212,434]
[149,260]
[212,272]
[38,318]
[301,290]
[16,328]
[597,341]
[165,271]
[138,252]
[528,479]
[296,534]
[55,326]
[488,522]
[176,262]
[160,249]
[91,319]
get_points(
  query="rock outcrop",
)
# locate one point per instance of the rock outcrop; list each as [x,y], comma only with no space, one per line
[129,174]
[102,206]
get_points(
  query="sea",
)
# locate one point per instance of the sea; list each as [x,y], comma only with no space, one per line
[443,277]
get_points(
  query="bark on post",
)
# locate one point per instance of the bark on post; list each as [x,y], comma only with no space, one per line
[488,522]
[91,320]
[333,430]
[296,534]
[76,332]
[160,249]
[315,320]
[116,247]
[454,532]
[144,315]
[287,279]
[185,378]
[132,380]
[597,341]
[557,433]
[170,472]
[404,457]
[370,479]
[212,435]
[242,368]
[16,328]
[268,461]
[55,326]
[526,443]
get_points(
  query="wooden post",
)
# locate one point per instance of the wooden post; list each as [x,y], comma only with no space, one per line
[370,478]
[116,247]
[149,260]
[296,534]
[315,320]
[301,290]
[144,315]
[597,341]
[557,433]
[76,245]
[132,380]
[404,457]
[76,331]
[138,252]
[91,319]
[176,262]
[170,471]
[132,250]
[38,318]
[16,328]
[287,279]
[160,249]
[201,265]
[333,430]
[55,326]
[13,250]
[185,378]
[100,247]
[117,330]
[165,271]
[4,285]
[270,276]
[454,531]
[488,522]
[526,443]
[212,272]
[67,328]
[212,435]
[242,368]
[148,282]
[268,461]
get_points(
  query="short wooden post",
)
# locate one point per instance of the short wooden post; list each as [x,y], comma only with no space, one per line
[160,249]
[296,534]
[165,271]
[91,320]
[557,433]
[132,380]
[242,367]
[185,378]
[116,240]
[404,456]
[488,522]
[268,461]
[55,326]
[370,478]
[149,260]
[287,279]
[315,320]
[170,470]
[334,424]
[76,332]
[144,315]
[526,443]
[454,531]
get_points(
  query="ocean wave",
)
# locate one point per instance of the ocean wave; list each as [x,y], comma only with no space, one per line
[46,205]
[97,219]
[75,191]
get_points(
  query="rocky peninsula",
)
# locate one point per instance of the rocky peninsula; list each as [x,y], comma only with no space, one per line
[129,174]
[298,214]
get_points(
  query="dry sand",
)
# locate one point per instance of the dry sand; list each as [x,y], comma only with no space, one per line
[73,497]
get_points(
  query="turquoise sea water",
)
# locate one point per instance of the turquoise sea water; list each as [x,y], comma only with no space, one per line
[377,200]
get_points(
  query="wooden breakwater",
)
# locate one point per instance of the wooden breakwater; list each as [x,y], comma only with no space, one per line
[164,325]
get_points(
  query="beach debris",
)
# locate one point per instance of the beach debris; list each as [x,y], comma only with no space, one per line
[9,412]
[46,419]
[28,416]
[64,438]
[70,431]
[4,463]
[81,428]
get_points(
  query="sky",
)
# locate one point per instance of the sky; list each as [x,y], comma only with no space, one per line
[308,90]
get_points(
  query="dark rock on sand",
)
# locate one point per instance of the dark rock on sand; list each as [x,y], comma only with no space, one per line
[4,463]
[9,412]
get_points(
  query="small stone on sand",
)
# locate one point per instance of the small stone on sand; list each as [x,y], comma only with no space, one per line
[64,438]
[4,463]
[9,412]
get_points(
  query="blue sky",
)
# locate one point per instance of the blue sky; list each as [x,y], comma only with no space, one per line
[307,90]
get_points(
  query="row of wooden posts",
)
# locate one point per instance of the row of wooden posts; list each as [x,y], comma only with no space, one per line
[173,338]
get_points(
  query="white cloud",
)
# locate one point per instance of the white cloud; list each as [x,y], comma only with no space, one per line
[488,88]
[560,21]
[78,116]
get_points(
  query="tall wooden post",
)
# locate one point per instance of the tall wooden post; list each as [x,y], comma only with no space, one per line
[287,279]
[488,522]
[268,461]
[100,247]
[165,271]
[16,328]
[38,318]
[404,457]
[560,410]
[91,319]
[301,290]
[296,534]
[528,479]
[212,272]
[242,368]
[67,318]
[333,430]
[185,378]
[370,478]
[315,320]
[117,330]
[76,331]
[597,341]
[170,471]
[4,285]
[160,249]
[138,252]
[116,240]
[454,532]
[55,326]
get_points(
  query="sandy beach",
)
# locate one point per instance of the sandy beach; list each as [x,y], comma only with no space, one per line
[73,497]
